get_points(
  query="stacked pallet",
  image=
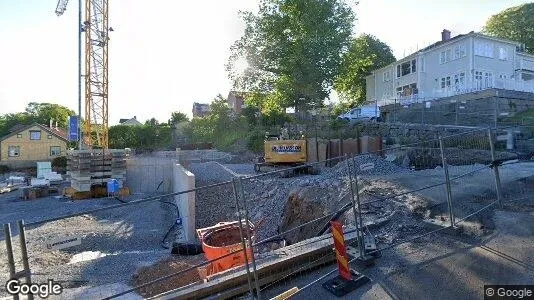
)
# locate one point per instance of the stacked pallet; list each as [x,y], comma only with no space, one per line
[94,167]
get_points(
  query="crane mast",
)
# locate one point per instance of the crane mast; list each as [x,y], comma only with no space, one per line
[96,29]
[95,73]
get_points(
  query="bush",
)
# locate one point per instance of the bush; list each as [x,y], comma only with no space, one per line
[4,169]
[59,162]
[256,141]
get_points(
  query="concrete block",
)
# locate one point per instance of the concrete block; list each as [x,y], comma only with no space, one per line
[184,180]
[149,175]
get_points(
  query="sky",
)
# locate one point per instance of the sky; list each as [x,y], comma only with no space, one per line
[166,54]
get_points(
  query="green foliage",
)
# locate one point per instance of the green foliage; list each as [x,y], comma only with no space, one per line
[293,50]
[256,141]
[218,127]
[44,112]
[4,169]
[178,117]
[366,53]
[515,23]
[36,113]
[59,162]
[150,136]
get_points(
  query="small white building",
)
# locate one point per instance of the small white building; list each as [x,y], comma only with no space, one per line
[458,65]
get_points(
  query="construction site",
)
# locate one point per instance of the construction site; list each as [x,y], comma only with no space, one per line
[195,225]
[403,209]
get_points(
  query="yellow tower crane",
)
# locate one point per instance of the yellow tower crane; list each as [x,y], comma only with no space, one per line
[95,71]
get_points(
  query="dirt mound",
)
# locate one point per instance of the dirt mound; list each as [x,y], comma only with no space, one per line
[163,268]
[304,205]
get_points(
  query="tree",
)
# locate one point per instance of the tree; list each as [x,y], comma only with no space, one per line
[40,113]
[178,117]
[44,112]
[293,50]
[515,23]
[366,53]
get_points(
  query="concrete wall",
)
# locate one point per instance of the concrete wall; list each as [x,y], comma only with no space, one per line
[184,180]
[473,109]
[31,150]
[145,174]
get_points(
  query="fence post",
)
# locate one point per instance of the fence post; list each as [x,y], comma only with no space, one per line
[249,237]
[24,253]
[353,202]
[423,114]
[357,214]
[447,181]
[10,258]
[495,169]
[243,243]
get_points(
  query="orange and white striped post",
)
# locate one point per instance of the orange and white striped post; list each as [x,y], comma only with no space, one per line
[341,250]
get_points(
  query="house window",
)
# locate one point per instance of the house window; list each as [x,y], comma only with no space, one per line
[19,135]
[386,76]
[49,136]
[503,76]
[459,51]
[446,82]
[503,53]
[407,90]
[55,151]
[484,49]
[35,135]
[478,79]
[488,79]
[13,151]
[459,80]
[448,55]
[445,56]
[406,68]
[483,79]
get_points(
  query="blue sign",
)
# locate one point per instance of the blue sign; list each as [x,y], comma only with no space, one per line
[73,128]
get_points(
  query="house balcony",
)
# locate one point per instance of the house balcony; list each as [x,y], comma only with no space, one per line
[477,86]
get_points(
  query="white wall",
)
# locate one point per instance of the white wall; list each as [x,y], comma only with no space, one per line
[184,180]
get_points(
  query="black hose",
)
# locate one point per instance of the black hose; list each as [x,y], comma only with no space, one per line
[173,226]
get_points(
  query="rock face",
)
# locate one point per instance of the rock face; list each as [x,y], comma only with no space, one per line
[304,204]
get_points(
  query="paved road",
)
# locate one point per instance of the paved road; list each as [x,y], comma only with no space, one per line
[442,266]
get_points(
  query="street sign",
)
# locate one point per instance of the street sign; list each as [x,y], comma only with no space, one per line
[73,128]
[63,242]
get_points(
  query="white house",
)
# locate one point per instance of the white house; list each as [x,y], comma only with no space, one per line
[461,64]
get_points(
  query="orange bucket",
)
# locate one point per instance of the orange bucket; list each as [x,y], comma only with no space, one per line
[222,239]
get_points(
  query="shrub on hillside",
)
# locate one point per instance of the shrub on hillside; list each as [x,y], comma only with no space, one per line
[4,169]
[255,141]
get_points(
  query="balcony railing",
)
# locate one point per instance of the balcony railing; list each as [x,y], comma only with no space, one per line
[505,84]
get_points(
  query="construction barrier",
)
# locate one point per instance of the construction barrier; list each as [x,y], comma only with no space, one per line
[341,250]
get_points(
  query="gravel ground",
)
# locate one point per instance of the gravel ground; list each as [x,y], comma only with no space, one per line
[267,195]
[114,242]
